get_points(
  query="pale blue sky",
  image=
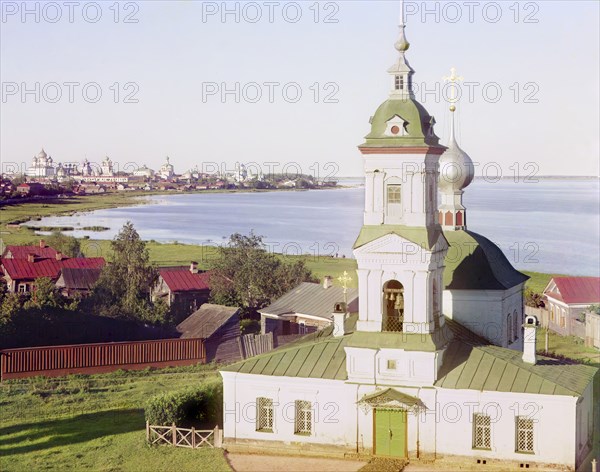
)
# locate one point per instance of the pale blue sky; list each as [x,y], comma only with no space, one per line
[170,52]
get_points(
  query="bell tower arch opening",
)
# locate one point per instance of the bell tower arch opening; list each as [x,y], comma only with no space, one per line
[393,306]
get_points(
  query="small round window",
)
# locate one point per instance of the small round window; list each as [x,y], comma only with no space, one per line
[395,130]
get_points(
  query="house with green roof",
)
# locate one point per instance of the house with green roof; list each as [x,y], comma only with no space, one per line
[438,361]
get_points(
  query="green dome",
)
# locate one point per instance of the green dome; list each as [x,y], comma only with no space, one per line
[419,130]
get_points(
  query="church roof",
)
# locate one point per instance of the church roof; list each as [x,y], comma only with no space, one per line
[418,128]
[474,262]
[470,363]
[425,237]
[484,367]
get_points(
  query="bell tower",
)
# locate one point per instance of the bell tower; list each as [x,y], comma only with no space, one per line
[401,248]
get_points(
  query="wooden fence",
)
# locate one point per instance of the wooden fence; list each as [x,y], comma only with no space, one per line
[183,437]
[52,361]
[255,344]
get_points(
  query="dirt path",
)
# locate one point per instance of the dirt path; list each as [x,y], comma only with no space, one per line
[261,463]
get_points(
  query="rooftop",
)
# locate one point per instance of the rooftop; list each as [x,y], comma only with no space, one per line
[469,363]
[203,323]
[577,290]
[18,269]
[311,299]
[181,279]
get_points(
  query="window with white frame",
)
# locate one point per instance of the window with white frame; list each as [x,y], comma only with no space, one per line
[482,431]
[264,414]
[394,194]
[524,435]
[22,288]
[303,417]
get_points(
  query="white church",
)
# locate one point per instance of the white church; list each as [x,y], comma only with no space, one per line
[439,363]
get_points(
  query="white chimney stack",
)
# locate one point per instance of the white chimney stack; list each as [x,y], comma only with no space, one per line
[339,320]
[327,281]
[529,338]
[194,267]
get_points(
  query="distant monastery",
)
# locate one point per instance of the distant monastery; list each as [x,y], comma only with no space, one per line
[439,362]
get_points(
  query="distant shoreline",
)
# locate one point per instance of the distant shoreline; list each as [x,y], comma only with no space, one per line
[511,177]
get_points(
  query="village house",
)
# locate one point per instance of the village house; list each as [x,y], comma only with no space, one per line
[219,326]
[184,288]
[21,274]
[77,281]
[30,188]
[440,362]
[567,299]
[305,308]
[41,250]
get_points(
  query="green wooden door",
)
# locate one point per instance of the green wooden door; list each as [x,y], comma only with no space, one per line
[390,433]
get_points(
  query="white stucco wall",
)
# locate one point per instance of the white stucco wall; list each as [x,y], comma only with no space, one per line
[485,312]
[554,429]
[444,428]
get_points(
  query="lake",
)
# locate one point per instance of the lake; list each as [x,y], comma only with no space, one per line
[549,226]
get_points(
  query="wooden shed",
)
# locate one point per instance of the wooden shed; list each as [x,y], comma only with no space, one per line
[220,326]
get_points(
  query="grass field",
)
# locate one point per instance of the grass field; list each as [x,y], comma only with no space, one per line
[93,423]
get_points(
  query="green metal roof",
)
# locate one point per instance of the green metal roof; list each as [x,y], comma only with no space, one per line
[475,263]
[407,341]
[469,363]
[423,236]
[492,368]
[412,112]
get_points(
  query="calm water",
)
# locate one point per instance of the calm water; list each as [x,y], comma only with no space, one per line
[550,226]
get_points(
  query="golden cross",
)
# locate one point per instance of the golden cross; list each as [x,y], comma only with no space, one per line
[344,279]
[453,79]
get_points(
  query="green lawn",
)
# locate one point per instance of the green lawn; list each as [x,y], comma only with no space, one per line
[96,422]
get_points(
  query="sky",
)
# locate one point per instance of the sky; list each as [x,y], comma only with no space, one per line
[290,86]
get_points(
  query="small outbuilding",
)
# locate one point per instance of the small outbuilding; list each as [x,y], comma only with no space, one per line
[220,326]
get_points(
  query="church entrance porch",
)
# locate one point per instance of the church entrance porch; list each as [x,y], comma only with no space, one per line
[390,433]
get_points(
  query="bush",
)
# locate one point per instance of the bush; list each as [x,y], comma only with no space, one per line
[201,405]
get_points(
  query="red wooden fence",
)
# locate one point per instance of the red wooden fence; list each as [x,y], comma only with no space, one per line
[52,361]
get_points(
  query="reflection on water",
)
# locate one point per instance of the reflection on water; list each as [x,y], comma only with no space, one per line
[549,226]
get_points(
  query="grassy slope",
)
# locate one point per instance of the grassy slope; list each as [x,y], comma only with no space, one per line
[93,423]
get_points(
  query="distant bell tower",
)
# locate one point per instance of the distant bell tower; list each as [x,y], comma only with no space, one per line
[401,248]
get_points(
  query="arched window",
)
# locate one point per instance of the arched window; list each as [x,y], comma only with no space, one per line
[448,218]
[516,325]
[441,218]
[393,306]
[459,219]
[509,327]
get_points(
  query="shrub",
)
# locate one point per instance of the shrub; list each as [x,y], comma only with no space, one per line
[192,406]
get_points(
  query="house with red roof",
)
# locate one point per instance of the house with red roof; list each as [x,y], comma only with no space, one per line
[41,250]
[20,274]
[184,288]
[567,298]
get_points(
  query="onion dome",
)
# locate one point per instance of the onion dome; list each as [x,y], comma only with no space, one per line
[456,167]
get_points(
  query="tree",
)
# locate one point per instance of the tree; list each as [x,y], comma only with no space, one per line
[123,289]
[534,299]
[246,275]
[44,295]
[68,245]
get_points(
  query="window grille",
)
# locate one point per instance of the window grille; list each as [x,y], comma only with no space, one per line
[264,414]
[482,432]
[394,194]
[303,417]
[524,434]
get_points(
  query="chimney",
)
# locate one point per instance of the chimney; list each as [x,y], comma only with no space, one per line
[327,281]
[59,256]
[30,257]
[529,338]
[339,318]
[42,243]
[194,267]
